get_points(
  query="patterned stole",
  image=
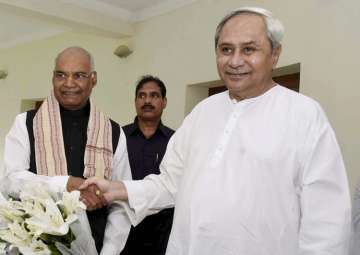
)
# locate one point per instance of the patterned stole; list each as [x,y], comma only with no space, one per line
[49,143]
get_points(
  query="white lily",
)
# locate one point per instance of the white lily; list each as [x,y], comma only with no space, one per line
[3,222]
[30,207]
[23,222]
[50,221]
[8,211]
[3,247]
[11,214]
[71,204]
[16,234]
[37,247]
[34,192]
[20,231]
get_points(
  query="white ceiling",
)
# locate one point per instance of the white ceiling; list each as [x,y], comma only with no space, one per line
[27,20]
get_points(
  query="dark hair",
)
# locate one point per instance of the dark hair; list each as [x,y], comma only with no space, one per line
[148,78]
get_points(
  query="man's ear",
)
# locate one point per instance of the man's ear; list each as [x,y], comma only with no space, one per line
[275,55]
[164,102]
[93,77]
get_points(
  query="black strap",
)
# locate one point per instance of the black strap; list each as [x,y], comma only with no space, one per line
[115,129]
[29,125]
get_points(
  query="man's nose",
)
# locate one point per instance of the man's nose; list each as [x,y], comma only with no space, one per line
[69,81]
[147,99]
[236,60]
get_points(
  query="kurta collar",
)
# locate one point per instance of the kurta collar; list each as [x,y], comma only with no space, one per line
[253,99]
[83,112]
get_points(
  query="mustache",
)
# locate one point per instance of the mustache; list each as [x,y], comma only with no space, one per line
[147,106]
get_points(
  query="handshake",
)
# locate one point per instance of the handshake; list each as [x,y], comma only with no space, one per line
[96,193]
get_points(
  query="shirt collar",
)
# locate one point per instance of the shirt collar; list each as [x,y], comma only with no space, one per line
[134,128]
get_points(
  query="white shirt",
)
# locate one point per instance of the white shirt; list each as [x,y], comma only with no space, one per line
[355,240]
[17,162]
[261,176]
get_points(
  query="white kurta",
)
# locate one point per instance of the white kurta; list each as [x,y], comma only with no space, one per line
[17,163]
[355,240]
[260,176]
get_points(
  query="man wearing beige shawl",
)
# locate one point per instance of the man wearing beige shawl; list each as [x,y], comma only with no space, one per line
[67,140]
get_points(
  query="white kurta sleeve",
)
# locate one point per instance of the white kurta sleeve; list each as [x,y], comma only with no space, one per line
[17,161]
[157,192]
[325,199]
[118,223]
[355,238]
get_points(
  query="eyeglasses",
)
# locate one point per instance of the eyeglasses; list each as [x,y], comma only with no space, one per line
[76,76]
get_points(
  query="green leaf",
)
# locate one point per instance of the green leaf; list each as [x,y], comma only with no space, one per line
[54,250]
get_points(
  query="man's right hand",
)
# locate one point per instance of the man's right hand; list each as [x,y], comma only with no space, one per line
[112,190]
[91,196]
[74,183]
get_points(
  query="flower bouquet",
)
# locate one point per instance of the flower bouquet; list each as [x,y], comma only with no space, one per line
[36,222]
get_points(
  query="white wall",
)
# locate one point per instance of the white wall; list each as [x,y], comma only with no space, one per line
[178,47]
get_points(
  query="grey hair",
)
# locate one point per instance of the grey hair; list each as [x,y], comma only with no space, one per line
[77,48]
[274,28]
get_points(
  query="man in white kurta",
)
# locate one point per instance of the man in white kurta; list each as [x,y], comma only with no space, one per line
[255,170]
[17,160]
[259,176]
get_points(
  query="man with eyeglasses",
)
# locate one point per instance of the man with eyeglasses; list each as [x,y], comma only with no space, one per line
[68,140]
[147,139]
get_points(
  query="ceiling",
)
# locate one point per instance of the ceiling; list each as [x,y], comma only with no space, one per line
[23,21]
[133,5]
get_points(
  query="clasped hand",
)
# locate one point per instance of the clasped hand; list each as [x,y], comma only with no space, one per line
[111,190]
[91,196]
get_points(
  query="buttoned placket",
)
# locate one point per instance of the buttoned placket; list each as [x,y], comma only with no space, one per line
[230,126]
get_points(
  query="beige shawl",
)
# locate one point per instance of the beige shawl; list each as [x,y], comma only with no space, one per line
[49,143]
